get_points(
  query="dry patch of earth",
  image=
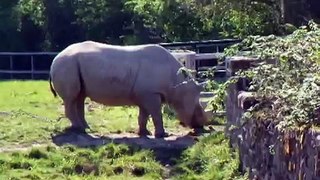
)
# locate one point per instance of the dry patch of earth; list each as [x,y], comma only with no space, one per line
[165,149]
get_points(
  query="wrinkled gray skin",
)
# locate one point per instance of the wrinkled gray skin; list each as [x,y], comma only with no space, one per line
[145,76]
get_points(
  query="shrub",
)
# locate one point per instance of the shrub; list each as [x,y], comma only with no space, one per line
[289,92]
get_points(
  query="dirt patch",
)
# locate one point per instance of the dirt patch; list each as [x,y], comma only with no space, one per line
[165,149]
[2,113]
[21,147]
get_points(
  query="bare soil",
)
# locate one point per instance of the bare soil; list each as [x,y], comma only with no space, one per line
[165,149]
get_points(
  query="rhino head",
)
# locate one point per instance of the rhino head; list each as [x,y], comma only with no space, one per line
[186,103]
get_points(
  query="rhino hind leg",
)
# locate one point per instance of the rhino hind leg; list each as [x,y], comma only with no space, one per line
[80,111]
[71,113]
[152,105]
[142,121]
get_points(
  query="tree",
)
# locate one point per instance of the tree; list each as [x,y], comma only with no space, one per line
[9,26]
[61,26]
[102,20]
[174,20]
[67,21]
[51,25]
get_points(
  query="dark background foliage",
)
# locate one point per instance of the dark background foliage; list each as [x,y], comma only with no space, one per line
[51,25]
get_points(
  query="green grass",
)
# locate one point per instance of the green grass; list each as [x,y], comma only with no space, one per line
[210,158]
[110,161]
[34,113]
[29,113]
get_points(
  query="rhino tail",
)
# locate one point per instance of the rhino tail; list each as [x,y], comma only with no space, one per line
[51,87]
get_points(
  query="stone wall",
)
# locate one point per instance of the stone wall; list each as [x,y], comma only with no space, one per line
[265,152]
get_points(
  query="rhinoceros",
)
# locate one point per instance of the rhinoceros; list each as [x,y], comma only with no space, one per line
[145,76]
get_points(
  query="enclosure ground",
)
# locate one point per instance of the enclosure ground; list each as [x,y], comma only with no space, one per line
[33,144]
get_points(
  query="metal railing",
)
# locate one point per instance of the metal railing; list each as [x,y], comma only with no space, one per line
[207,46]
[25,65]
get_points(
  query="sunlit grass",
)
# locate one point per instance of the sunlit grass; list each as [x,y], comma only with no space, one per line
[29,113]
[110,161]
[210,158]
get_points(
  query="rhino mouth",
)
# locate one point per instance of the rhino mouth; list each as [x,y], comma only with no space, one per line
[195,121]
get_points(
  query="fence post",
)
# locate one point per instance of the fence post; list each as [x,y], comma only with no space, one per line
[32,68]
[11,66]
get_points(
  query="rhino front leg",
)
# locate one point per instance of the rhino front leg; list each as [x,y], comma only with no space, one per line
[152,104]
[142,121]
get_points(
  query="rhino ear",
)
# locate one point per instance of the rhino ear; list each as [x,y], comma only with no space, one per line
[187,73]
[202,85]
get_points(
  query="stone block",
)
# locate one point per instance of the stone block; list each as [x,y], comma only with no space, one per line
[236,63]
[186,57]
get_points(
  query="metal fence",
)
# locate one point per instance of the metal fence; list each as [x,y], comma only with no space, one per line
[36,65]
[25,65]
[208,46]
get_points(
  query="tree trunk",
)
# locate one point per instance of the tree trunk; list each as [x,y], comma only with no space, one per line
[295,11]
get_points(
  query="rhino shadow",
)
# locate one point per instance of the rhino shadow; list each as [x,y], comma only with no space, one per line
[166,150]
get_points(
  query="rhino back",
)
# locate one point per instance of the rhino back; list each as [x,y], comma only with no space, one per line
[157,72]
[115,74]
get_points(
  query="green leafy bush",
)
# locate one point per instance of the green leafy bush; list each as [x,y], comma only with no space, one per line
[289,92]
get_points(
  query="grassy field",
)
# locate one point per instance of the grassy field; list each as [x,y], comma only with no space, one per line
[29,114]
